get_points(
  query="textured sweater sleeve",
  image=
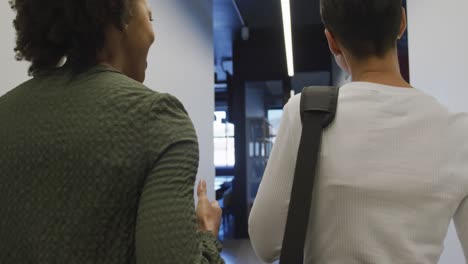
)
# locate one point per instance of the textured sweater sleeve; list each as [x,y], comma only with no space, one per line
[461,223]
[460,166]
[267,219]
[166,229]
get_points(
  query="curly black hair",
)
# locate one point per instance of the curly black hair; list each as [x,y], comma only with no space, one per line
[48,30]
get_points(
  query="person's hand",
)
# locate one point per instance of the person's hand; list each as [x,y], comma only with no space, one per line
[208,213]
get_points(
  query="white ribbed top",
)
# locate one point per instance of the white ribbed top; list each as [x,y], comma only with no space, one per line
[393,172]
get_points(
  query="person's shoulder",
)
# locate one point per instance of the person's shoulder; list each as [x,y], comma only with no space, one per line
[293,106]
[169,122]
[459,124]
[119,88]
[17,89]
[461,117]
[157,103]
[164,116]
[119,91]
[294,102]
[292,109]
[118,83]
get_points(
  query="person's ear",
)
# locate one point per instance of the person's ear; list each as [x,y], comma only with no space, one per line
[337,51]
[335,48]
[403,23]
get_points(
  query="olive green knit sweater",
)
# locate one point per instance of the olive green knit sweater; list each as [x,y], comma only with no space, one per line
[97,168]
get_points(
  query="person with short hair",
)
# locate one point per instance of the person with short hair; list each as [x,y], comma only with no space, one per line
[393,167]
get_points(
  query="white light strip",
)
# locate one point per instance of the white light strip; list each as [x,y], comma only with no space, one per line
[286,8]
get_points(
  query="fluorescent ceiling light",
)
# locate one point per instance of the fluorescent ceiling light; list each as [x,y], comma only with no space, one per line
[286,8]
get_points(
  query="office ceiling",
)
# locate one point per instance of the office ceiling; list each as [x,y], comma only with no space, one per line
[256,14]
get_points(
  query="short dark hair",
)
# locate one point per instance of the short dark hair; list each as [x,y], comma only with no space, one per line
[48,30]
[364,27]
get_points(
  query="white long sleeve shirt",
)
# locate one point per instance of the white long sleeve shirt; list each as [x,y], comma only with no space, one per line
[392,174]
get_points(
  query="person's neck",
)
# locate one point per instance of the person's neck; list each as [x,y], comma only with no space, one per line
[385,70]
[112,64]
[110,57]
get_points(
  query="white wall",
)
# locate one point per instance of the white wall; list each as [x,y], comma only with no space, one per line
[182,63]
[13,72]
[438,42]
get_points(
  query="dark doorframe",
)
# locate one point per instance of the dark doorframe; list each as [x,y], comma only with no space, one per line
[262,58]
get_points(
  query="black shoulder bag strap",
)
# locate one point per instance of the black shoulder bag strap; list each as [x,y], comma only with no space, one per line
[318,108]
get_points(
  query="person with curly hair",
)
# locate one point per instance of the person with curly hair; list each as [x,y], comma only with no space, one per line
[94,166]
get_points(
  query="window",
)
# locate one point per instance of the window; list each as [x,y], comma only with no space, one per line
[224,148]
[274,118]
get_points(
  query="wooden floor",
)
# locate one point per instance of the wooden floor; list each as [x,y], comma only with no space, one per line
[239,252]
